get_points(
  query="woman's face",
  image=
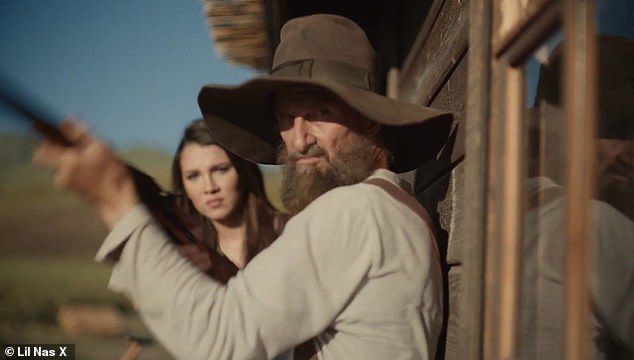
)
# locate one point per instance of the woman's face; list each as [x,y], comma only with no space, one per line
[211,182]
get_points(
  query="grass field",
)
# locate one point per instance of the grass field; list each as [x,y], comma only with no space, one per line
[33,288]
[47,241]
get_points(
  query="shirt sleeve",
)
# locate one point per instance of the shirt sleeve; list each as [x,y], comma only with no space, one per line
[287,294]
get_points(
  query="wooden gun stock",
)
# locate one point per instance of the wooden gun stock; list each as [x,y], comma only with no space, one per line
[159,202]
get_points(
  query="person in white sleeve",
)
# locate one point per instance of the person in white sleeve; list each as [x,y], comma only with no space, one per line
[354,275]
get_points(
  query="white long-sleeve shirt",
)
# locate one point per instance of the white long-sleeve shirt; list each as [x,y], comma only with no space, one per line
[357,270]
[542,311]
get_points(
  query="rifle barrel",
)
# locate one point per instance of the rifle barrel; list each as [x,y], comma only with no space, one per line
[157,201]
[20,104]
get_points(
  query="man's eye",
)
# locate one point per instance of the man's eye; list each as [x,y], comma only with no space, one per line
[284,121]
[324,113]
[317,115]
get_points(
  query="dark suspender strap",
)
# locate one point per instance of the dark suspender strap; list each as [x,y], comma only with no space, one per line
[305,351]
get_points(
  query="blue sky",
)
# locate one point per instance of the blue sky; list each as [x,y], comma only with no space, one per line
[131,69]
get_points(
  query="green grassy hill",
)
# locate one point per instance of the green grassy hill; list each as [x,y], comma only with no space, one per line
[48,238]
[38,219]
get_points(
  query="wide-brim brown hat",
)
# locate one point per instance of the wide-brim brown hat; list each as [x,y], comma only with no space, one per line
[332,53]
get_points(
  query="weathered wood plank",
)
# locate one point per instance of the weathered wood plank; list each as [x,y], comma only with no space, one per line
[453,344]
[474,182]
[512,16]
[441,81]
[439,188]
[451,216]
[444,44]
[453,96]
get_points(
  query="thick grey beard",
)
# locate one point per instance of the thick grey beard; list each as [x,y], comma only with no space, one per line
[300,186]
[619,195]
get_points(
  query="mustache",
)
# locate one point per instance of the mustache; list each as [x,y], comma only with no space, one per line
[621,167]
[313,150]
[626,178]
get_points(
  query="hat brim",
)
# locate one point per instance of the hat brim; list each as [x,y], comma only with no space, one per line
[242,119]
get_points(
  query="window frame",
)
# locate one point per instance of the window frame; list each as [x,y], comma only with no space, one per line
[502,34]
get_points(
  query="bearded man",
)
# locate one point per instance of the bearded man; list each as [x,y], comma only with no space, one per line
[616,169]
[355,271]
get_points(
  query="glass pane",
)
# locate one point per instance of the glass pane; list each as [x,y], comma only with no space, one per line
[541,315]
[614,210]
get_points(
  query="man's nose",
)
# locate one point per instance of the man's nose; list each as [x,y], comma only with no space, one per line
[625,153]
[625,161]
[302,134]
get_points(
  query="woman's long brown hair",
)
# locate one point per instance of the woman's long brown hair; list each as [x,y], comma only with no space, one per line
[260,216]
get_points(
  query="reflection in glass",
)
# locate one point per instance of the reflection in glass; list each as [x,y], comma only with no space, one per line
[614,303]
[542,298]
[615,131]
[541,316]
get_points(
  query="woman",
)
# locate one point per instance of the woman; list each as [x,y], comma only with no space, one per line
[224,197]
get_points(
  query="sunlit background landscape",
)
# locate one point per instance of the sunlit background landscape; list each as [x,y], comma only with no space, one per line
[48,240]
[131,71]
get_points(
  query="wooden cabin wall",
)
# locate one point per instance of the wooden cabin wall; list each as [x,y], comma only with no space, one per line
[435,73]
